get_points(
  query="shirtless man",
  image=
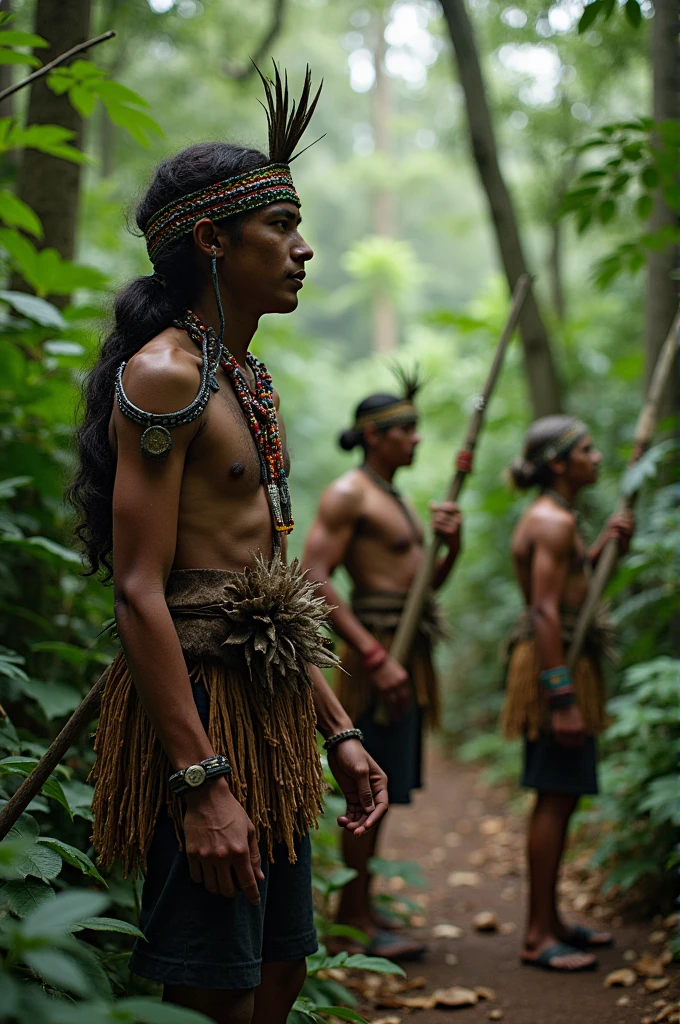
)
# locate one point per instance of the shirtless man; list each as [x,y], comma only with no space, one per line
[364,524]
[557,716]
[207,774]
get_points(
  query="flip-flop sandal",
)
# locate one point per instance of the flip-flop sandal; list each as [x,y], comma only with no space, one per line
[582,938]
[395,947]
[544,958]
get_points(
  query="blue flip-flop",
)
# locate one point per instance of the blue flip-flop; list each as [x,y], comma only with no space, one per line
[395,947]
[544,958]
[582,938]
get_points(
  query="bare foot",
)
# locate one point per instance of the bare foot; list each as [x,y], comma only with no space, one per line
[554,955]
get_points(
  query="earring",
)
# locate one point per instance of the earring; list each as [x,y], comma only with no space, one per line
[216,288]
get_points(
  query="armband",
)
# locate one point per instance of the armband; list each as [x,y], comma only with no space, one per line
[374,657]
[558,687]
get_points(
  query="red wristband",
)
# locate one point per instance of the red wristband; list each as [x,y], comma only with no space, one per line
[374,657]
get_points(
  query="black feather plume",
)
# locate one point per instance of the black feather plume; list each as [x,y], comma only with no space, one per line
[410,380]
[286,127]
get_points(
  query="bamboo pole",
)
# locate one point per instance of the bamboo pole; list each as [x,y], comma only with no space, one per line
[644,431]
[33,783]
[413,609]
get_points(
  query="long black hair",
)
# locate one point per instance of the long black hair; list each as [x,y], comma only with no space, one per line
[143,309]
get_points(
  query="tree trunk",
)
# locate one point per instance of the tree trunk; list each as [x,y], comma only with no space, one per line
[544,388]
[661,299]
[49,185]
[7,106]
[385,328]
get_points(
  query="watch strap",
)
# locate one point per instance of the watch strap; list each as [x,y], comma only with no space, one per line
[212,767]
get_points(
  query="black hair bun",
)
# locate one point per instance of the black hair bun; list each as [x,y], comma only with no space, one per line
[348,440]
[523,474]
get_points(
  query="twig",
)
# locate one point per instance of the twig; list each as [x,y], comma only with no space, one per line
[55,63]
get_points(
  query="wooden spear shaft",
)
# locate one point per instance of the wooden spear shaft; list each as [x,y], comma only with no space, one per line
[413,609]
[32,784]
[644,432]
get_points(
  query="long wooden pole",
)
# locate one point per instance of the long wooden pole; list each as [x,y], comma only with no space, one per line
[32,784]
[644,432]
[413,609]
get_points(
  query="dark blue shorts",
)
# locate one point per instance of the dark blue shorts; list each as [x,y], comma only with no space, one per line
[398,749]
[550,768]
[201,940]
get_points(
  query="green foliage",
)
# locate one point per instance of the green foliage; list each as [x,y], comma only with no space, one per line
[605,8]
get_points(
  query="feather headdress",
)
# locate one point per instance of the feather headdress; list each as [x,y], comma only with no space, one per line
[271,183]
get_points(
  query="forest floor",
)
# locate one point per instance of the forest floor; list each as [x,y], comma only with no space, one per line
[470,849]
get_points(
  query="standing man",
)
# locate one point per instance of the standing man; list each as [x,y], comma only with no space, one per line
[207,774]
[364,524]
[557,716]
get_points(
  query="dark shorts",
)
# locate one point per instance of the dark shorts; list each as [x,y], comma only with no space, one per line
[398,749]
[550,768]
[201,940]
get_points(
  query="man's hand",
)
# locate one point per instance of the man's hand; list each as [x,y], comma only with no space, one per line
[621,527]
[220,839]
[447,523]
[363,783]
[568,727]
[391,682]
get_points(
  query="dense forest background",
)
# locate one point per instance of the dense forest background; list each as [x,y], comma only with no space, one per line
[419,236]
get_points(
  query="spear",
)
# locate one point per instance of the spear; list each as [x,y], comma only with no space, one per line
[644,431]
[418,594]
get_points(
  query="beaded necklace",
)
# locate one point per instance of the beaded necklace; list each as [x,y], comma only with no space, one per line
[260,412]
[390,489]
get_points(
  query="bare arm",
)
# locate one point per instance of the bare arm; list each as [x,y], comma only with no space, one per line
[620,527]
[326,547]
[553,544]
[219,835]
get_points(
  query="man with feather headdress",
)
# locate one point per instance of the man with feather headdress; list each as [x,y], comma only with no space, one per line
[366,525]
[207,776]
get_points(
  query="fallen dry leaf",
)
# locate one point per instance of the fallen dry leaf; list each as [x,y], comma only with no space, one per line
[582,902]
[485,993]
[485,921]
[656,984]
[491,826]
[495,1014]
[672,921]
[451,959]
[667,1013]
[666,956]
[417,920]
[387,1020]
[447,931]
[630,955]
[455,996]
[649,966]
[623,1001]
[477,858]
[624,976]
[452,840]
[657,937]
[507,928]
[458,879]
[397,883]
[660,1004]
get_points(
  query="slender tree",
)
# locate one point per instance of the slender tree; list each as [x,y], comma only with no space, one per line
[543,383]
[662,286]
[49,185]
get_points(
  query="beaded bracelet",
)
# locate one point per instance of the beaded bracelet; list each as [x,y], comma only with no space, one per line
[340,737]
[374,657]
[558,686]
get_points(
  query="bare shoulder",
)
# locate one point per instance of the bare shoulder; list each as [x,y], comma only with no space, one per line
[342,501]
[551,526]
[163,376]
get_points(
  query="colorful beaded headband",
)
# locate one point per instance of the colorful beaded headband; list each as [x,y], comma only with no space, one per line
[272,183]
[401,412]
[269,184]
[562,445]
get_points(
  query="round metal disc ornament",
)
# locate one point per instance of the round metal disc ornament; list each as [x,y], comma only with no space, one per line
[156,443]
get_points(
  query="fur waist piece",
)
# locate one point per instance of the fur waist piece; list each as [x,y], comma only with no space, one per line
[380,611]
[248,639]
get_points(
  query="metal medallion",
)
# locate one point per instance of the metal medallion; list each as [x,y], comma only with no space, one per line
[194,775]
[156,443]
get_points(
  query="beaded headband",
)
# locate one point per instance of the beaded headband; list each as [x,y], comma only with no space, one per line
[400,412]
[561,445]
[271,183]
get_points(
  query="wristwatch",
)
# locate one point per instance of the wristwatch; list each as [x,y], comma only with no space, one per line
[196,774]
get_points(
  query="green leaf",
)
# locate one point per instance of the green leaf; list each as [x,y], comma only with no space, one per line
[72,856]
[650,177]
[643,206]
[60,914]
[12,37]
[58,969]
[589,16]
[342,1013]
[13,57]
[38,862]
[22,897]
[114,92]
[54,698]
[377,964]
[18,214]
[152,1011]
[35,308]
[633,13]
[108,924]
[606,211]
[24,766]
[135,122]
[83,99]
[45,549]
[47,138]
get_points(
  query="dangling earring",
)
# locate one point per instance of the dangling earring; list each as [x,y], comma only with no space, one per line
[218,299]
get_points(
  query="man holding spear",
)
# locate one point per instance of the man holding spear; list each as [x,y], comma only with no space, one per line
[365,524]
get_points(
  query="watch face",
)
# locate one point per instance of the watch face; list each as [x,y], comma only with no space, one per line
[194,775]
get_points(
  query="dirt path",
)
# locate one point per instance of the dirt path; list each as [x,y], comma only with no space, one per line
[471,853]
